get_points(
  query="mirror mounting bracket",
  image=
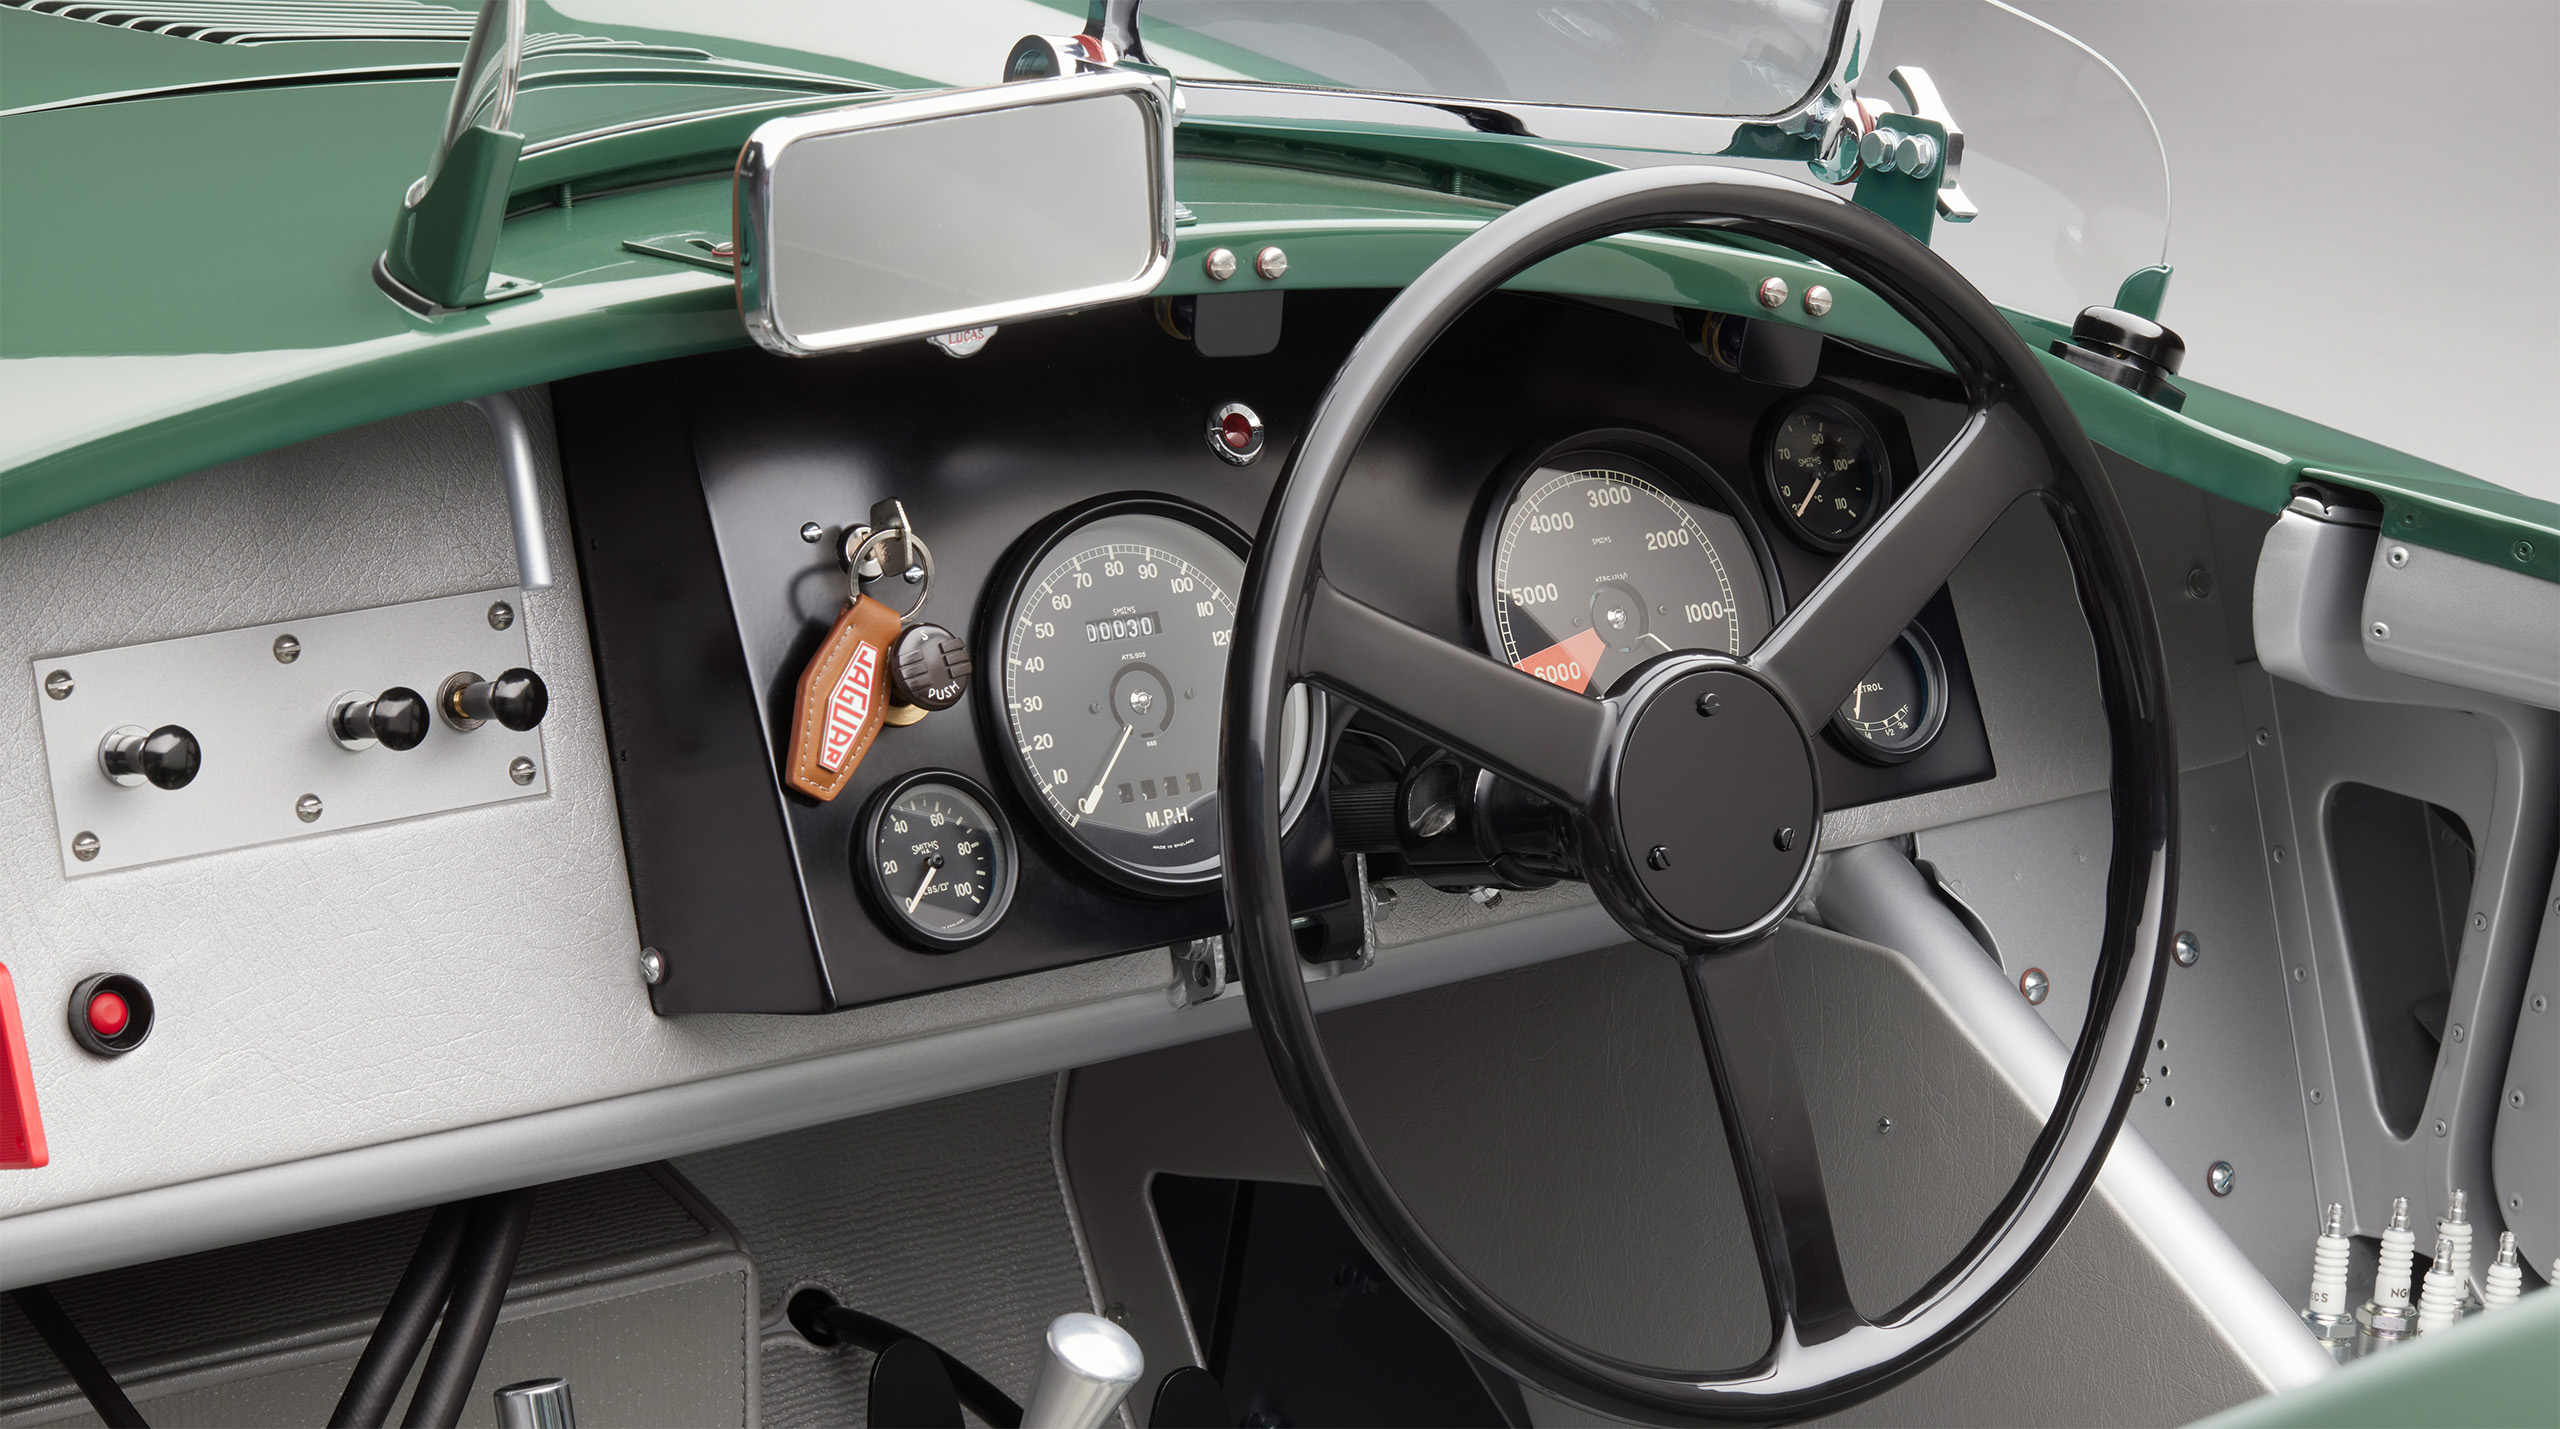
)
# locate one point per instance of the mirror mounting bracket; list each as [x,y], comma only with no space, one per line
[445,236]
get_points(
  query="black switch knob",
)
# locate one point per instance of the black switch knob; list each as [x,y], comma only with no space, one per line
[167,757]
[929,667]
[397,719]
[516,699]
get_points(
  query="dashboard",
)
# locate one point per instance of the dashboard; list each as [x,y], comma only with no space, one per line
[1049,535]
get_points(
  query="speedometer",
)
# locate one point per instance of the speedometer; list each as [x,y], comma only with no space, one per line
[1601,559]
[1115,660]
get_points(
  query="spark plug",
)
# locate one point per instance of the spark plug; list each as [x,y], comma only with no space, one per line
[2506,1276]
[2455,1226]
[2440,1300]
[2388,1318]
[2326,1313]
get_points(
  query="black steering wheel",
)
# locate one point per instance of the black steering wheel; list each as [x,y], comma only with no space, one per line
[1710,760]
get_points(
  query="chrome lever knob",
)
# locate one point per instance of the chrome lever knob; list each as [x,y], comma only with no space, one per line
[396,719]
[165,758]
[1087,1365]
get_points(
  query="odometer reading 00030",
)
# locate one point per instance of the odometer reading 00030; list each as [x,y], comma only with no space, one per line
[1597,567]
[1115,660]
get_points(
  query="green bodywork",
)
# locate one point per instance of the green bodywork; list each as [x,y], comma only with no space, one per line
[185,278]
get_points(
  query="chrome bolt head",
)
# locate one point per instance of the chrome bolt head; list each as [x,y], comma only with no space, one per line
[1220,265]
[520,769]
[84,845]
[653,966]
[812,532]
[1382,900]
[287,649]
[57,686]
[2035,986]
[501,615]
[1817,301]
[307,808]
[1271,262]
[1486,897]
[2219,1178]
[1916,155]
[1773,292]
[1875,148]
[2188,950]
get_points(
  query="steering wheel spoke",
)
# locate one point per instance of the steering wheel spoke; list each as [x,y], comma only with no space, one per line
[1537,734]
[1831,639]
[1734,995]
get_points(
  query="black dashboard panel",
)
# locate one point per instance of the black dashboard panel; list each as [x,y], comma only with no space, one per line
[690,482]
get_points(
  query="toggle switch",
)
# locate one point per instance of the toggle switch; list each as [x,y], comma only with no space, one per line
[396,719]
[167,757]
[516,699]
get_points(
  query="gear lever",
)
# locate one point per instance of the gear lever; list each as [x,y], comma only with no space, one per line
[1087,1365]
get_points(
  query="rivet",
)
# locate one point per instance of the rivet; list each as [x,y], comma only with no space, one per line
[812,532]
[2219,1178]
[84,846]
[287,649]
[2279,853]
[2457,1032]
[501,615]
[2541,1003]
[2315,1096]
[2035,985]
[2439,1126]
[1709,703]
[653,967]
[2479,921]
[2516,1098]
[2187,950]
[2298,973]
[520,769]
[1271,262]
[1817,301]
[1657,858]
[2381,631]
[2515,1203]
[1220,265]
[2524,550]
[1884,1125]
[58,685]
[2399,555]
[1784,840]
[307,808]
[2264,737]
[1773,292]
[2199,583]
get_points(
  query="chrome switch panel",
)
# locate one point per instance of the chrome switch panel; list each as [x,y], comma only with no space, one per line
[271,768]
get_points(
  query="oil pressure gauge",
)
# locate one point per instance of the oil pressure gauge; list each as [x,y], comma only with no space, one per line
[1826,471]
[1900,704]
[937,860]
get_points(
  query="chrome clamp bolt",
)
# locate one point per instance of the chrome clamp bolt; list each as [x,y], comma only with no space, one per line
[1220,265]
[1817,301]
[1773,292]
[1271,262]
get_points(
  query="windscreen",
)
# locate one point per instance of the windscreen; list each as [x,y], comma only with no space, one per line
[1725,57]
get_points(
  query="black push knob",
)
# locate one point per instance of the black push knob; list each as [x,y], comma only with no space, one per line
[167,757]
[516,699]
[397,719]
[929,667]
[2127,350]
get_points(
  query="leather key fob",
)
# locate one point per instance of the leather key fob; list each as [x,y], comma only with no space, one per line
[843,695]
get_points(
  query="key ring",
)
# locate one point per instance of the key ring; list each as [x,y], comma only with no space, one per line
[923,557]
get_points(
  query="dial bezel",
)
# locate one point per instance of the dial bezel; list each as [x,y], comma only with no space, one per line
[1023,565]
[1839,409]
[1658,460]
[885,905]
[1933,681]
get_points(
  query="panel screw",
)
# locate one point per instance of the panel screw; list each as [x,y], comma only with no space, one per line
[2035,985]
[307,808]
[501,615]
[2188,948]
[1657,858]
[58,684]
[2381,631]
[2219,1178]
[1220,265]
[1784,840]
[520,769]
[2516,1098]
[812,532]
[2199,583]
[288,649]
[1271,262]
[1884,1126]
[1709,703]
[2264,737]
[1817,301]
[653,966]
[84,846]
[1486,897]
[1773,292]
[2399,555]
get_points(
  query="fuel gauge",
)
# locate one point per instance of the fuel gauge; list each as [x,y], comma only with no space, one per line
[1897,708]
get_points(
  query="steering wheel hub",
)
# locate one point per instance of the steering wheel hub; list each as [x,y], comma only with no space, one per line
[1716,804]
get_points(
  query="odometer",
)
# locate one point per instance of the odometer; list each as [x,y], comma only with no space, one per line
[1599,562]
[1115,659]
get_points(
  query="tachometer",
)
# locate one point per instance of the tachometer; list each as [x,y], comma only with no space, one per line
[1598,561]
[1115,658]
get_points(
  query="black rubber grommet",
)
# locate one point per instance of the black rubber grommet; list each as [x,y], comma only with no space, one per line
[137,1014]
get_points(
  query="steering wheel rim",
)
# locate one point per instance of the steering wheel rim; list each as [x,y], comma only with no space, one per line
[2018,440]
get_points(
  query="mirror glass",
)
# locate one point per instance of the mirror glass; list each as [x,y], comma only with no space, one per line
[960,219]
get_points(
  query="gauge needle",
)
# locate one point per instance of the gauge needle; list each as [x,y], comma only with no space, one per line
[1808,496]
[1656,639]
[1093,801]
[932,866]
[1858,706]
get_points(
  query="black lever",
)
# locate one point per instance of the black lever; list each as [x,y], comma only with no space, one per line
[516,699]
[397,719]
[168,756]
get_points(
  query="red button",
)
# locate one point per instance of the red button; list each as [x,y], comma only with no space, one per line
[108,1014]
[1236,431]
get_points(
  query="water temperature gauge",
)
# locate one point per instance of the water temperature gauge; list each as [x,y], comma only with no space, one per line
[937,859]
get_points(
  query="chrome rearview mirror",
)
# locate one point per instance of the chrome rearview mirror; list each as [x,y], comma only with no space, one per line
[917,217]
